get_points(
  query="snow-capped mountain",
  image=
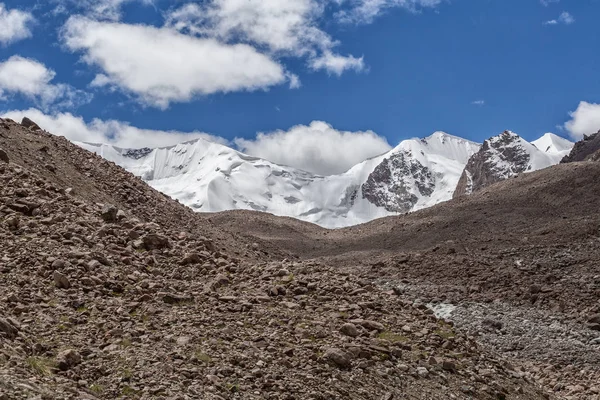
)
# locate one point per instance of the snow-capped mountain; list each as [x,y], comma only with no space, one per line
[507,155]
[210,177]
[553,145]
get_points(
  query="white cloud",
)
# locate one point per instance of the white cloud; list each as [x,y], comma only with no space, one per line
[31,79]
[365,11]
[564,18]
[161,65]
[113,132]
[14,25]
[546,3]
[478,102]
[97,9]
[282,28]
[336,64]
[317,148]
[585,120]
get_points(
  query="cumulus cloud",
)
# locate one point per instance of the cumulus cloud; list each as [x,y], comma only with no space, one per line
[97,9]
[564,18]
[318,148]
[287,28]
[478,102]
[365,11]
[15,25]
[31,79]
[118,133]
[161,65]
[585,120]
[336,64]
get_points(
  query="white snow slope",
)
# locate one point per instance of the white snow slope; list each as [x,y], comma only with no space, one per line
[210,177]
[554,146]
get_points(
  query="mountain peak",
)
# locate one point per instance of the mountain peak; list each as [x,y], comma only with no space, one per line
[553,144]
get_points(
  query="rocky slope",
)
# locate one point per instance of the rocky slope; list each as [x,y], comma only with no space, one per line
[587,149]
[506,155]
[127,300]
[517,264]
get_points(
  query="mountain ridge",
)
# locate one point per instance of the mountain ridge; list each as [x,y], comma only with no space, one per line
[212,177]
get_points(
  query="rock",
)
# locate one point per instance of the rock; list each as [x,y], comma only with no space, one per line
[109,213]
[183,340]
[338,357]
[154,241]
[492,323]
[422,372]
[349,329]
[171,298]
[448,366]
[191,258]
[68,359]
[372,325]
[4,156]
[8,329]
[61,281]
[594,327]
[27,123]
[594,319]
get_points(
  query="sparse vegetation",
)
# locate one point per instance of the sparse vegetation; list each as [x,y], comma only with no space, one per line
[392,337]
[40,365]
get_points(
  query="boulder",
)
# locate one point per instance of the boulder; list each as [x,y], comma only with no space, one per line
[4,156]
[27,123]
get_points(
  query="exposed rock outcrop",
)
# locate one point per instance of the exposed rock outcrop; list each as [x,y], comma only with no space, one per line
[587,149]
[392,184]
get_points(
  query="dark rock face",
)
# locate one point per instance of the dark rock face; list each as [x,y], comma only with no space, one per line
[389,185]
[4,157]
[136,154]
[27,123]
[587,149]
[499,158]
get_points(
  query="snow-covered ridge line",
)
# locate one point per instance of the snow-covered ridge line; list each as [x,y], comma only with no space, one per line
[210,177]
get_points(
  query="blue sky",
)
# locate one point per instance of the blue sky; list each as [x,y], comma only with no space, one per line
[399,68]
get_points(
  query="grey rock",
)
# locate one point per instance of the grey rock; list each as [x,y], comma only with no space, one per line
[338,357]
[61,281]
[109,213]
[154,241]
[4,156]
[27,123]
[349,329]
[8,329]
[68,359]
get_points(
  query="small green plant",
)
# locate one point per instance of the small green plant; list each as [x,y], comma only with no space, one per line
[446,334]
[203,357]
[128,391]
[40,365]
[392,337]
[127,374]
[96,389]
[125,343]
[82,309]
[233,387]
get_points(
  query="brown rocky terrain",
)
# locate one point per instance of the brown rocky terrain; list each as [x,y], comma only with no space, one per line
[111,290]
[587,149]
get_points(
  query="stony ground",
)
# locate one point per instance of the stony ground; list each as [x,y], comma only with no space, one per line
[109,289]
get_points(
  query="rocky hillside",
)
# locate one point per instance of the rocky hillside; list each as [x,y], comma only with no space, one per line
[587,149]
[109,290]
[502,157]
